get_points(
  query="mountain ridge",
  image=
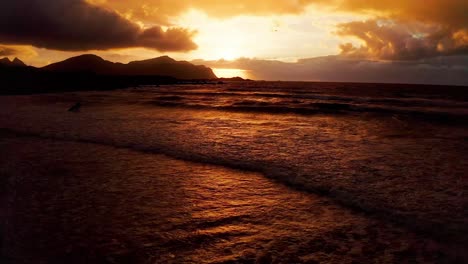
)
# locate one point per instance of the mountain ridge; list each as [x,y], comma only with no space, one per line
[14,63]
[89,72]
[159,66]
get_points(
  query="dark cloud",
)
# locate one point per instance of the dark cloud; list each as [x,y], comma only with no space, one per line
[75,25]
[390,40]
[438,70]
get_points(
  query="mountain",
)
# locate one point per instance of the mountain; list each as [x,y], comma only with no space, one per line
[15,63]
[84,63]
[167,66]
[161,66]
[18,63]
[93,73]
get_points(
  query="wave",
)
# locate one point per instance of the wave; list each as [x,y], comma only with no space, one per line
[277,100]
[285,174]
[170,98]
[194,136]
[422,101]
[445,115]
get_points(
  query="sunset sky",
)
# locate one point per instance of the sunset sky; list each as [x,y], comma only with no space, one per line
[423,41]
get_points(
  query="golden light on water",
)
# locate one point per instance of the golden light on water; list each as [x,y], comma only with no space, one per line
[229,73]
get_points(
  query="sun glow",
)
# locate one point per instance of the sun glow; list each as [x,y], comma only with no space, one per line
[276,36]
[227,53]
[229,73]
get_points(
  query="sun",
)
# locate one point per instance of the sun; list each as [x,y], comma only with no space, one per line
[227,53]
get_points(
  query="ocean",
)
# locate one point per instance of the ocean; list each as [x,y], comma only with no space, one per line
[236,172]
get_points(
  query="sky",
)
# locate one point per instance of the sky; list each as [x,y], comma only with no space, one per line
[417,41]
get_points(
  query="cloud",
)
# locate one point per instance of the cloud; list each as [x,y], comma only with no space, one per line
[388,40]
[451,12]
[19,51]
[407,30]
[161,10]
[76,25]
[8,51]
[438,70]
[398,29]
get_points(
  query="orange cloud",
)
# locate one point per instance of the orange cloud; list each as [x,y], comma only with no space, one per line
[411,30]
[400,30]
[407,29]
[449,12]
[452,12]
[20,51]
[8,51]
[389,40]
[160,11]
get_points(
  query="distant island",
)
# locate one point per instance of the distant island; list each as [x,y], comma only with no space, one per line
[91,72]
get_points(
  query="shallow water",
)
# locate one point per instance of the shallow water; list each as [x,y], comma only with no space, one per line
[405,167]
[81,202]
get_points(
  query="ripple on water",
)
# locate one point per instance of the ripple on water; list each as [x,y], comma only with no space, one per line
[75,202]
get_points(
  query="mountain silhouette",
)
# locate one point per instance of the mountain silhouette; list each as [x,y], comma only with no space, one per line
[84,63]
[91,72]
[15,63]
[161,66]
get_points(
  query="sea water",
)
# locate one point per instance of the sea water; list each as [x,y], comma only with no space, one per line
[243,171]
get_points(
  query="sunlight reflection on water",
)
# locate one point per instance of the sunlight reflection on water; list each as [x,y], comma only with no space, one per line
[230,73]
[147,208]
[157,206]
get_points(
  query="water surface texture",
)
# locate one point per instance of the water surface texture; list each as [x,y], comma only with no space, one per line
[239,172]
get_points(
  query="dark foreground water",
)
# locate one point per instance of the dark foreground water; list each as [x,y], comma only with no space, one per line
[231,173]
